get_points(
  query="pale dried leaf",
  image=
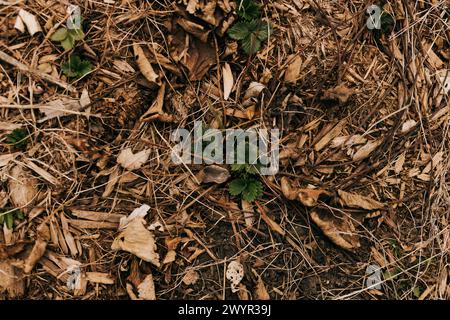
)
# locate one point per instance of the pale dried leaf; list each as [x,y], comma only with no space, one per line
[191,277]
[22,187]
[352,200]
[30,21]
[132,161]
[293,70]
[11,279]
[341,232]
[367,149]
[145,65]
[213,173]
[137,240]
[227,80]
[235,273]
[340,93]
[146,289]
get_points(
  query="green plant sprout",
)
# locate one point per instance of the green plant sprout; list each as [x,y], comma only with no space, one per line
[8,217]
[67,37]
[18,138]
[250,31]
[75,67]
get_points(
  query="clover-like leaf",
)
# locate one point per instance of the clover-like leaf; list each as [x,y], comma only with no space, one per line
[68,43]
[59,35]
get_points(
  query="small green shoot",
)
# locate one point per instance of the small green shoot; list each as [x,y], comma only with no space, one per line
[247,185]
[250,31]
[8,218]
[18,138]
[75,67]
[249,188]
[67,37]
[248,10]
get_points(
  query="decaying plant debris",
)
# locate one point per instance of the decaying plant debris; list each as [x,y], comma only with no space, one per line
[93,207]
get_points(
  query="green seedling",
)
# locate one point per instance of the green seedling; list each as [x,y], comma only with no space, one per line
[8,218]
[67,37]
[18,138]
[76,67]
[250,31]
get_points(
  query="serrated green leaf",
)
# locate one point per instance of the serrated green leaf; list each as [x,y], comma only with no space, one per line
[9,219]
[253,190]
[237,186]
[76,34]
[59,35]
[68,43]
[239,30]
[248,10]
[263,31]
[76,67]
[251,44]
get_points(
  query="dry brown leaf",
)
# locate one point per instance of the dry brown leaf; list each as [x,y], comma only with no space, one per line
[293,70]
[64,106]
[340,93]
[195,29]
[198,57]
[227,80]
[43,236]
[145,65]
[99,277]
[254,89]
[235,273]
[6,158]
[399,163]
[137,240]
[260,289]
[330,135]
[309,197]
[367,149]
[340,231]
[170,257]
[191,277]
[249,213]
[22,187]
[352,200]
[132,161]
[11,279]
[213,173]
[146,289]
[9,251]
[30,21]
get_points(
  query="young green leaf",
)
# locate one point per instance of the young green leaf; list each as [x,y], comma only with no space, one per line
[19,215]
[237,186]
[76,67]
[239,31]
[59,35]
[253,190]
[68,43]
[250,34]
[76,34]
[248,10]
[18,138]
[9,219]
